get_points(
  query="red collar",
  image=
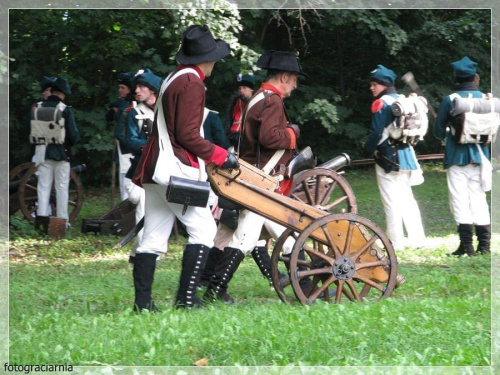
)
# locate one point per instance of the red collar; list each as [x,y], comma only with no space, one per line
[198,70]
[268,86]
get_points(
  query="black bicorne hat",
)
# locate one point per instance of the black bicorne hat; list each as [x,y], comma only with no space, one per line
[199,46]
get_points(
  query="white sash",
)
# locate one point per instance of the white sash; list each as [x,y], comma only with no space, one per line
[279,153]
[168,164]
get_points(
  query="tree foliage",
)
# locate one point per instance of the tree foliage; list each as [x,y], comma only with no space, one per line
[338,48]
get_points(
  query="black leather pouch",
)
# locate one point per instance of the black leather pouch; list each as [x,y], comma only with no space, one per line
[230,218]
[227,204]
[188,192]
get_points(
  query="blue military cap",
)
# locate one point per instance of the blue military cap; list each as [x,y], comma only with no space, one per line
[246,80]
[47,82]
[383,76]
[464,68]
[61,84]
[126,79]
[146,77]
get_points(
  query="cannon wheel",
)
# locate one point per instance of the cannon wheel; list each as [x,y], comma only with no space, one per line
[280,263]
[16,175]
[321,188]
[18,172]
[363,268]
[324,189]
[28,195]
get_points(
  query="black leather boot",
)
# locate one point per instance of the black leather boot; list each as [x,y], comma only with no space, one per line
[466,247]
[261,256]
[305,282]
[214,256]
[193,262]
[483,233]
[143,273]
[223,273]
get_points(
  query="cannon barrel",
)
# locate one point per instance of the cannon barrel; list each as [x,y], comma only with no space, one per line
[14,185]
[337,162]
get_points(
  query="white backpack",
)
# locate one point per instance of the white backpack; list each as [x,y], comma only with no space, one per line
[47,125]
[476,120]
[411,123]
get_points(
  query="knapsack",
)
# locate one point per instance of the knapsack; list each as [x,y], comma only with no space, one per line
[47,125]
[475,120]
[411,122]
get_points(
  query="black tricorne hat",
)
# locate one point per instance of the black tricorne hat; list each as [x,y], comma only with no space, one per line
[281,61]
[199,46]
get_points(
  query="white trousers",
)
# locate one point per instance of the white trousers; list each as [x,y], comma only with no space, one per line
[468,202]
[136,195]
[246,236]
[160,216]
[123,181]
[400,208]
[57,172]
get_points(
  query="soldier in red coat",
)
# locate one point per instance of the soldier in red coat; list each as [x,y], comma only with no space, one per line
[268,139]
[178,122]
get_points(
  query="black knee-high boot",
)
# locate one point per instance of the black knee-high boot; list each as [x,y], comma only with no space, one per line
[261,256]
[193,262]
[483,233]
[466,246]
[223,273]
[214,256]
[143,273]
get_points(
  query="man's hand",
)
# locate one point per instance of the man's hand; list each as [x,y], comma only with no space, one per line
[231,161]
[295,129]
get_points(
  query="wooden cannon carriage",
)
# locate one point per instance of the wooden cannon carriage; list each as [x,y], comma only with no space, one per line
[23,191]
[341,254]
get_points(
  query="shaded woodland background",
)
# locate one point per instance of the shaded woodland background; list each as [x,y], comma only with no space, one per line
[338,49]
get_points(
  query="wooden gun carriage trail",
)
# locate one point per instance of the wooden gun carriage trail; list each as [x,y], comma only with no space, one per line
[344,256]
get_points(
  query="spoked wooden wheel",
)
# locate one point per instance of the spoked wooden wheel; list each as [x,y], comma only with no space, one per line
[280,263]
[15,177]
[324,189]
[28,198]
[342,257]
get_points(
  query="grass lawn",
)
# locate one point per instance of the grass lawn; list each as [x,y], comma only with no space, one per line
[71,302]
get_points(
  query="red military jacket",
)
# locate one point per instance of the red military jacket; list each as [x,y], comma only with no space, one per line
[183,104]
[266,129]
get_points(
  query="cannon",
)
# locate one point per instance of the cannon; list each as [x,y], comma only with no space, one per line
[325,188]
[341,255]
[23,191]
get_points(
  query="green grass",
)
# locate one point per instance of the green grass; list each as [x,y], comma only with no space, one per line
[71,300]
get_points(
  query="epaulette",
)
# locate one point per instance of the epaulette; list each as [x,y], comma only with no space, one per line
[377,105]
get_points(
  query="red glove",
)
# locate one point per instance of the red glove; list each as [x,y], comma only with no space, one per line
[295,129]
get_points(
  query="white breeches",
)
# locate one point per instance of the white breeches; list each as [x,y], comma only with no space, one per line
[123,181]
[246,236]
[57,172]
[468,202]
[400,208]
[160,216]
[136,195]
[123,167]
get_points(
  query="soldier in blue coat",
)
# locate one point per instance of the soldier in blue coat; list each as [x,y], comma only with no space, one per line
[462,162]
[114,114]
[53,160]
[395,162]
[138,125]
